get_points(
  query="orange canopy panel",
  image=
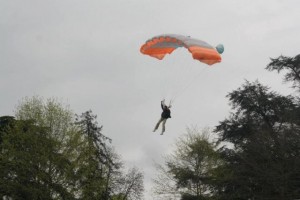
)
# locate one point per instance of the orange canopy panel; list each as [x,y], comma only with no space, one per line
[161,45]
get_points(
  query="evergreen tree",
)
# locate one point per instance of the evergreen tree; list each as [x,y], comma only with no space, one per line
[96,162]
[289,64]
[264,162]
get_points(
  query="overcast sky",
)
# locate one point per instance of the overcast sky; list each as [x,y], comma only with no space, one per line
[86,53]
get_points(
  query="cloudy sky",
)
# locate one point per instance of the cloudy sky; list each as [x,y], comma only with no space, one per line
[86,53]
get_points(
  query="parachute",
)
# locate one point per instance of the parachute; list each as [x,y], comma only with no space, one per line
[175,78]
[161,45]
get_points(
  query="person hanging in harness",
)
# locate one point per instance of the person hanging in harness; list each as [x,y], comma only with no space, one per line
[164,116]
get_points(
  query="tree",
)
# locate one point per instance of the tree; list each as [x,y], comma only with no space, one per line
[45,153]
[24,164]
[188,172]
[96,159]
[50,113]
[264,162]
[5,123]
[291,65]
[38,150]
[100,172]
[129,186]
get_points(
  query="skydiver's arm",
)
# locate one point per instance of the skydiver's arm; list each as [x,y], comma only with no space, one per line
[162,103]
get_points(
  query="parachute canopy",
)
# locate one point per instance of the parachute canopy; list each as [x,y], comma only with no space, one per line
[159,46]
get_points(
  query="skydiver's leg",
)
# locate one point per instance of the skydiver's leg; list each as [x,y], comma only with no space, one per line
[157,125]
[163,126]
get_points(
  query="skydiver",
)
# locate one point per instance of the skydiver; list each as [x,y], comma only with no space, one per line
[164,116]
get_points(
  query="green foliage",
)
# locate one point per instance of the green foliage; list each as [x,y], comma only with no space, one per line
[29,163]
[289,64]
[130,185]
[5,123]
[264,130]
[95,158]
[256,109]
[192,197]
[47,154]
[50,113]
[190,167]
[92,132]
